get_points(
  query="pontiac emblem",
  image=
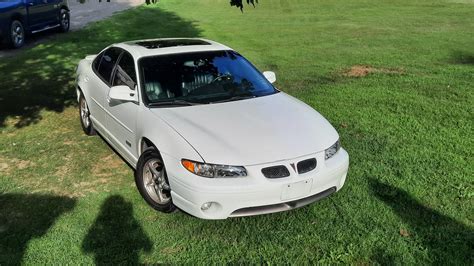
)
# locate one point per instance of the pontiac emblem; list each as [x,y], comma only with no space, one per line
[293,166]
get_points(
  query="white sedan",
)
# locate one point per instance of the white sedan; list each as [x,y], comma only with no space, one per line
[205,131]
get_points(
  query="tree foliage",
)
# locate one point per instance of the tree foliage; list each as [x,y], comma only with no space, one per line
[240,4]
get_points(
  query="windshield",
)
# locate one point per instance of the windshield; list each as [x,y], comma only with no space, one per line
[201,77]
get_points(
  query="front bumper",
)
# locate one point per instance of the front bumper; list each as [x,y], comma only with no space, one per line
[255,194]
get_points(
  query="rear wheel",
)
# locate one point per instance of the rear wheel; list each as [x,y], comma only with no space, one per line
[64,20]
[84,115]
[152,181]
[16,37]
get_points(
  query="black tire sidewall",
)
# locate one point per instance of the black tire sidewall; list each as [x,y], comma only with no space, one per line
[12,43]
[148,154]
[90,129]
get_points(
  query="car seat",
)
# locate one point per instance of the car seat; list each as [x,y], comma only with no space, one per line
[155,91]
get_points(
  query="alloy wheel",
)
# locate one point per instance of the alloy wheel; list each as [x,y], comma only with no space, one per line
[85,114]
[65,20]
[155,182]
[18,34]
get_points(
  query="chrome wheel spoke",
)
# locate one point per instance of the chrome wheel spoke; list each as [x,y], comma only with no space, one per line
[155,182]
[160,195]
[150,183]
[153,170]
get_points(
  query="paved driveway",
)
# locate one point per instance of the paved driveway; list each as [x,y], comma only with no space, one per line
[81,15]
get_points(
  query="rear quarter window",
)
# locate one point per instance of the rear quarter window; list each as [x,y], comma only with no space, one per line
[96,62]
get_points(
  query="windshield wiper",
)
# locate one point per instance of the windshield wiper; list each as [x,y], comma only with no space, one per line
[172,102]
[235,98]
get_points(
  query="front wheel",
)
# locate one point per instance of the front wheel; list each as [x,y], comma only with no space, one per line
[64,20]
[84,115]
[152,181]
[16,37]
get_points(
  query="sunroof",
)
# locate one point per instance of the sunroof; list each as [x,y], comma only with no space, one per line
[153,44]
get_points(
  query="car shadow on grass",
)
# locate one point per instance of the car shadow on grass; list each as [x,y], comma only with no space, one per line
[43,78]
[24,217]
[448,242]
[116,237]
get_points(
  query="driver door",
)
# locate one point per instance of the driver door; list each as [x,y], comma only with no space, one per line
[40,13]
[122,115]
[99,85]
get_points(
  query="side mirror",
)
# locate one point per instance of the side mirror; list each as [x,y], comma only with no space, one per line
[270,76]
[123,93]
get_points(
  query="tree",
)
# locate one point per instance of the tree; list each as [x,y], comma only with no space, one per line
[239,3]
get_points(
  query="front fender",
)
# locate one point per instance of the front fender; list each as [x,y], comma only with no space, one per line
[164,137]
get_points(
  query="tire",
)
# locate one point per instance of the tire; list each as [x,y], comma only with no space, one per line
[64,20]
[152,184]
[84,116]
[16,34]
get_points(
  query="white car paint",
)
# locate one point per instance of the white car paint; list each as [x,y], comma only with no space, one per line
[255,133]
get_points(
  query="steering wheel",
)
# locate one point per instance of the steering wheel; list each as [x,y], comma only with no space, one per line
[220,77]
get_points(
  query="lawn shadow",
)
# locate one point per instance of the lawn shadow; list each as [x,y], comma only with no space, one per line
[43,78]
[116,237]
[382,257]
[447,241]
[463,58]
[24,217]
[30,41]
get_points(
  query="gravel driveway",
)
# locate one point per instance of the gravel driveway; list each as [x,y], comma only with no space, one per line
[81,15]
[92,10]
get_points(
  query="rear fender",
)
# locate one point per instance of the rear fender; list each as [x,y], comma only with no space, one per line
[83,70]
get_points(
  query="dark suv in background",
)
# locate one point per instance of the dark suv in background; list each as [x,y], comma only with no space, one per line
[21,17]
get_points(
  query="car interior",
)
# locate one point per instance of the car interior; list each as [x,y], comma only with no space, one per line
[171,83]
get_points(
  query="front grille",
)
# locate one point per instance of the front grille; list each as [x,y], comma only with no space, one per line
[278,171]
[306,165]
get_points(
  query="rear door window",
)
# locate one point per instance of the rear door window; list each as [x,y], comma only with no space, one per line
[107,63]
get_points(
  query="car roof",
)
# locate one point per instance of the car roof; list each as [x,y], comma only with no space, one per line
[162,46]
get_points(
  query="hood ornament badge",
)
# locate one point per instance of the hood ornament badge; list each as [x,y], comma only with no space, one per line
[293,166]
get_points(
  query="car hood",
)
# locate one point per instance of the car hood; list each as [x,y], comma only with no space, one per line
[6,6]
[252,131]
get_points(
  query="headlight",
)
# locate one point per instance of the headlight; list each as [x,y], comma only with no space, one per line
[213,170]
[329,152]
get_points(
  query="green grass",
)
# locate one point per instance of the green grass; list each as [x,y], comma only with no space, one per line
[408,127]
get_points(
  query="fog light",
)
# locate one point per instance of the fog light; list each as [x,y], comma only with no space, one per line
[206,206]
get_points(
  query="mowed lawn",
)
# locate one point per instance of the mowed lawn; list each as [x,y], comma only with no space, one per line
[395,78]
